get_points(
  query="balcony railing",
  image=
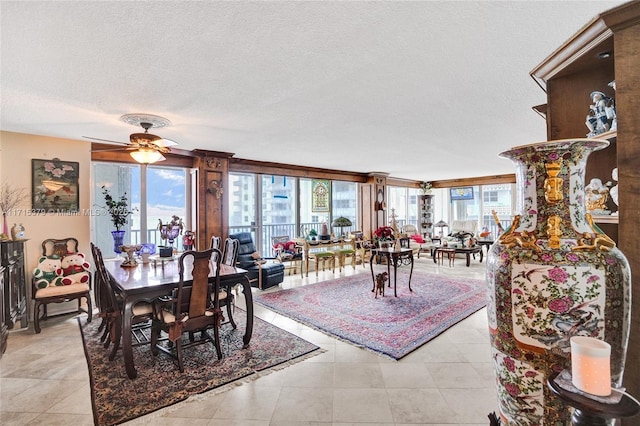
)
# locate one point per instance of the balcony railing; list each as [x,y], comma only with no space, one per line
[263,237]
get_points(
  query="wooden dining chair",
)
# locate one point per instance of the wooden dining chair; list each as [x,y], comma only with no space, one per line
[190,308]
[230,258]
[216,242]
[111,309]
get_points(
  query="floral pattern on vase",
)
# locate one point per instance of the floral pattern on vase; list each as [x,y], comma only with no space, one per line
[521,386]
[552,275]
[550,304]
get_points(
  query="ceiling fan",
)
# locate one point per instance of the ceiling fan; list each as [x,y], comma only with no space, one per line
[145,147]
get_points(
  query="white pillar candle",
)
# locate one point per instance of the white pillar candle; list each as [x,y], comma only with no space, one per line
[590,365]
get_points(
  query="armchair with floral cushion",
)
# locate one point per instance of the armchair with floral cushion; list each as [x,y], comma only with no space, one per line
[288,252]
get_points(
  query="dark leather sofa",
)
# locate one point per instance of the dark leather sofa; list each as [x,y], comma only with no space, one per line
[261,275]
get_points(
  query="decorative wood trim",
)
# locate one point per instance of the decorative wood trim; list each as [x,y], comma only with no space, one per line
[259,167]
[571,51]
[483,180]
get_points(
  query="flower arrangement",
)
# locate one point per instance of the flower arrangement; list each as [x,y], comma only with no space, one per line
[118,209]
[425,187]
[384,233]
[10,198]
[171,230]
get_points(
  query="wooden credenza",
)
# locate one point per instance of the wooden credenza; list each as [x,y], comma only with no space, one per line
[14,292]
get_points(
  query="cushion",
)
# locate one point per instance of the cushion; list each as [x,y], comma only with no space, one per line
[57,291]
[417,238]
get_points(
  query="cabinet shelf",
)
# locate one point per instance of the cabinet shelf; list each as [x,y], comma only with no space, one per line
[425,215]
[605,219]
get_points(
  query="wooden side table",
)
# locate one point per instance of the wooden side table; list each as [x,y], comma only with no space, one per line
[589,412]
[449,253]
[394,257]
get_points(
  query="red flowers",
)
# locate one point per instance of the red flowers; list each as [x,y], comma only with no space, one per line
[384,233]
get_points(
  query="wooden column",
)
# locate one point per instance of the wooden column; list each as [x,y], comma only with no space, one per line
[374,202]
[212,195]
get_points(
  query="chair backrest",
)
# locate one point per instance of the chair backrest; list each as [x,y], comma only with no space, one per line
[246,249]
[195,297]
[464,226]
[230,252]
[282,239]
[409,230]
[216,242]
[60,247]
[104,292]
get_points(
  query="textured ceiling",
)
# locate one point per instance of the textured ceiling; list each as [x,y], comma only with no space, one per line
[421,90]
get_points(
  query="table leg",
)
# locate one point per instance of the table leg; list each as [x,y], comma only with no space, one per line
[481,255]
[395,260]
[410,271]
[372,277]
[468,259]
[389,260]
[248,298]
[127,349]
[434,254]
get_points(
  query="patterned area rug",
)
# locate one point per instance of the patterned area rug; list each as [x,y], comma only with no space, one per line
[394,326]
[116,398]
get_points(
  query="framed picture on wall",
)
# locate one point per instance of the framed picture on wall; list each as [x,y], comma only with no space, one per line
[54,186]
[320,195]
[462,193]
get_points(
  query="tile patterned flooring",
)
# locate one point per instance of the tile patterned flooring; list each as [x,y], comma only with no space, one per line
[448,381]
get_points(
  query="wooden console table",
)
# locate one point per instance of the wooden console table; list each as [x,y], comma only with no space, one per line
[310,248]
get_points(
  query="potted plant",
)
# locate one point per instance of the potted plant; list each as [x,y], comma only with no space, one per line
[10,198]
[119,211]
[425,187]
[383,235]
[169,232]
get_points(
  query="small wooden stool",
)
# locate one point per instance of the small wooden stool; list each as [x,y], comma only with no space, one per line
[450,253]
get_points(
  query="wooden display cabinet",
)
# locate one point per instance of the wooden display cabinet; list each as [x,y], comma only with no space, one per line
[606,49]
[15,284]
[425,215]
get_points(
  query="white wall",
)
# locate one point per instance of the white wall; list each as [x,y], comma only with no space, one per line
[16,152]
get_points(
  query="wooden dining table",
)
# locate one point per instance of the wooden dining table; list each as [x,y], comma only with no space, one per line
[148,281]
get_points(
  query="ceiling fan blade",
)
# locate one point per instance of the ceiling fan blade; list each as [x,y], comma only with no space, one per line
[165,142]
[106,141]
[124,148]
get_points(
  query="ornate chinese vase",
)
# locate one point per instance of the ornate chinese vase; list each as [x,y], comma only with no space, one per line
[552,275]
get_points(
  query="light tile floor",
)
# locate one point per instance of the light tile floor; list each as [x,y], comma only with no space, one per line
[448,381]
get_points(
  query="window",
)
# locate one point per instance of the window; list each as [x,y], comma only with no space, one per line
[273,205]
[165,196]
[404,202]
[490,196]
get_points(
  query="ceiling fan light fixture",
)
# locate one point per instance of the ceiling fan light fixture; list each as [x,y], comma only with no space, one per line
[147,156]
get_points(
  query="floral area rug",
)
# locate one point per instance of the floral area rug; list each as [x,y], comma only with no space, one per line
[117,399]
[393,326]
